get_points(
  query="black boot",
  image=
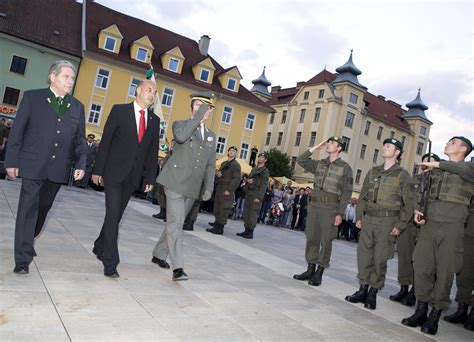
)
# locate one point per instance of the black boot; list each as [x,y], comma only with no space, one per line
[217,229]
[469,324]
[371,301]
[431,325]
[248,234]
[161,215]
[410,299]
[188,225]
[242,233]
[360,296]
[306,275]
[398,297]
[419,317]
[318,276]
[211,224]
[460,316]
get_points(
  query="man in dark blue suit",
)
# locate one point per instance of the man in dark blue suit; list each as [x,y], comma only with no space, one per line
[128,154]
[46,140]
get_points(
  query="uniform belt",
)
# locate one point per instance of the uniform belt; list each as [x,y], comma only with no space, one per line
[383,213]
[325,199]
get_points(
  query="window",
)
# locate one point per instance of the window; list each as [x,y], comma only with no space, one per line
[283,116]
[142,54]
[280,138]
[362,151]
[317,114]
[293,164]
[376,156]
[102,78]
[403,139]
[312,139]
[272,118]
[132,90]
[392,134]
[227,114]
[267,140]
[231,84]
[249,123]
[244,151]
[173,65]
[204,75]
[298,139]
[415,170]
[18,65]
[349,119]
[94,114]
[109,44]
[345,143]
[358,176]
[167,99]
[419,148]
[11,96]
[302,115]
[379,133]
[306,95]
[422,130]
[367,127]
[353,98]
[321,94]
[163,125]
[220,148]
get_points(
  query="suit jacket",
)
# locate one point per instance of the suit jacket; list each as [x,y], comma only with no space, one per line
[91,152]
[44,145]
[119,151]
[303,202]
[190,169]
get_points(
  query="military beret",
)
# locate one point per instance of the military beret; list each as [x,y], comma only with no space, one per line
[91,136]
[232,148]
[263,154]
[398,144]
[466,141]
[205,97]
[432,155]
[336,139]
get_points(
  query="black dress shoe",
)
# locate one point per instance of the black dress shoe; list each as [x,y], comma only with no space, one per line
[111,274]
[179,274]
[21,269]
[160,262]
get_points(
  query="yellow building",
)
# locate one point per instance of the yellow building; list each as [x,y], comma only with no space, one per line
[337,104]
[119,50]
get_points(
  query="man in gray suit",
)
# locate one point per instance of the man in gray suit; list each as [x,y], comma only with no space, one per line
[46,140]
[187,176]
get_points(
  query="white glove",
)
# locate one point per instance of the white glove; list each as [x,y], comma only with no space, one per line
[206,196]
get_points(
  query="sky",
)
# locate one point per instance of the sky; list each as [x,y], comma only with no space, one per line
[399,46]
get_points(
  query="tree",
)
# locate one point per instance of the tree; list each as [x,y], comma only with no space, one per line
[278,163]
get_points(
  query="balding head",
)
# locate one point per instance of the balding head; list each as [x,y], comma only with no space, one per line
[146,92]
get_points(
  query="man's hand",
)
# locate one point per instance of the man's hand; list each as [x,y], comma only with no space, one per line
[338,220]
[256,200]
[97,180]
[418,218]
[359,224]
[250,180]
[226,193]
[428,166]
[148,187]
[218,174]
[206,196]
[78,175]
[12,172]
[395,231]
[318,146]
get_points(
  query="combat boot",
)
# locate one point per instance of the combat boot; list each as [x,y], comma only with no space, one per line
[318,277]
[398,297]
[248,234]
[371,301]
[217,229]
[188,225]
[419,317]
[211,224]
[469,324]
[359,296]
[431,325]
[242,233]
[306,275]
[460,316]
[410,299]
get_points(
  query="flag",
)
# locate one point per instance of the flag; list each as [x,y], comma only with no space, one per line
[150,75]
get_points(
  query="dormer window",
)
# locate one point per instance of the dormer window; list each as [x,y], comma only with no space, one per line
[173,65]
[141,54]
[204,75]
[231,83]
[110,44]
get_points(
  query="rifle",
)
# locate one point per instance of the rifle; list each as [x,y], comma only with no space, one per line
[424,188]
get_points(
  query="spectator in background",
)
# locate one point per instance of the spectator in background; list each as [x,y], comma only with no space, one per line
[349,230]
[253,156]
[300,205]
[287,202]
[240,198]
[267,201]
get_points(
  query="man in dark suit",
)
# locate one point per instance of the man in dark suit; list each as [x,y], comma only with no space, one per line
[128,152]
[300,205]
[91,152]
[46,139]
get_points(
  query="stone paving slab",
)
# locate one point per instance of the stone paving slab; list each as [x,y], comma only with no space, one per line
[239,290]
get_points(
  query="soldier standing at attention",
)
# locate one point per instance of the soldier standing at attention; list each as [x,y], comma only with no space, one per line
[384,209]
[228,179]
[405,246]
[254,189]
[438,252]
[332,192]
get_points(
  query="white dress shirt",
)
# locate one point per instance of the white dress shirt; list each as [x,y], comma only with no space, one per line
[137,109]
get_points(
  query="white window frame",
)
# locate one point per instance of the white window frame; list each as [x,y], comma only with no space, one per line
[102,77]
[167,96]
[133,94]
[220,146]
[230,115]
[208,75]
[105,43]
[146,54]
[95,112]
[177,64]
[350,119]
[279,138]
[235,84]
[353,96]
[244,152]
[268,138]
[251,121]
[312,143]
[317,114]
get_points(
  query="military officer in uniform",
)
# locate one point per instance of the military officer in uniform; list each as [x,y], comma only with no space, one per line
[384,209]
[91,152]
[187,175]
[438,252]
[227,181]
[254,190]
[332,192]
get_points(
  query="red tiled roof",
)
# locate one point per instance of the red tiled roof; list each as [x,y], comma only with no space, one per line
[36,21]
[323,76]
[100,17]
[282,96]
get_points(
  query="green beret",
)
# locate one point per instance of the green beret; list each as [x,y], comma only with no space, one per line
[232,148]
[263,154]
[432,155]
[398,144]
[336,139]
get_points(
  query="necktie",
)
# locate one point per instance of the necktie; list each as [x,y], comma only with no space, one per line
[60,101]
[141,125]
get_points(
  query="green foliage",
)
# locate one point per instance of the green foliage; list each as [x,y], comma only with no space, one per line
[278,163]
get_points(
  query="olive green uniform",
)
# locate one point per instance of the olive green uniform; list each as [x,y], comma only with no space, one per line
[465,279]
[229,181]
[386,202]
[254,196]
[438,252]
[332,192]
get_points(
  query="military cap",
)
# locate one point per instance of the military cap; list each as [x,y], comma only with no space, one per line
[466,141]
[264,154]
[336,139]
[232,148]
[398,144]
[91,136]
[431,155]
[205,97]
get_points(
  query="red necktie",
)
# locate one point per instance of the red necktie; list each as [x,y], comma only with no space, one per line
[141,126]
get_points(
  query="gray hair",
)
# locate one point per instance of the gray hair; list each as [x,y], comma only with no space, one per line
[56,67]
